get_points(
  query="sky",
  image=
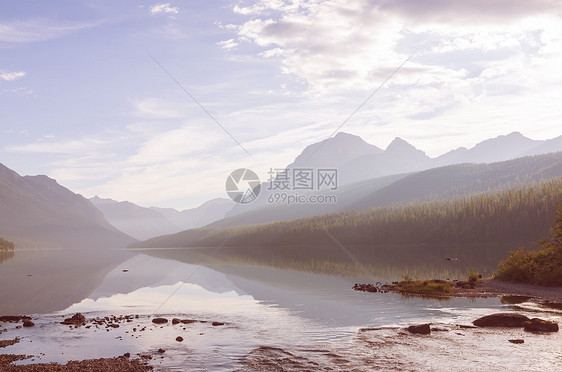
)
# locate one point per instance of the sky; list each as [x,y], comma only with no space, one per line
[157,102]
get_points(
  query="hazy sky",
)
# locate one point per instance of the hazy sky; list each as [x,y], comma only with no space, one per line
[82,101]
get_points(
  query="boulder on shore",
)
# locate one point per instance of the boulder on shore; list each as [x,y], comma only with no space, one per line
[540,325]
[501,320]
[422,329]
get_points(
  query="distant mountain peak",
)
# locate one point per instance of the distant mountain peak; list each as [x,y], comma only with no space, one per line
[347,139]
[346,135]
[515,134]
[334,151]
[400,145]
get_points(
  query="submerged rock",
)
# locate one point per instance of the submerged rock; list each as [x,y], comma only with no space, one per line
[540,325]
[517,341]
[501,320]
[214,324]
[422,329]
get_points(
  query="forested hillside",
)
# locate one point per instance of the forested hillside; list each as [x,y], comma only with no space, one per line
[516,215]
[449,182]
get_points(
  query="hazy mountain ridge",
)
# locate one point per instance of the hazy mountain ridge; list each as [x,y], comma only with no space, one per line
[451,181]
[518,215]
[140,223]
[38,213]
[206,213]
[358,161]
[402,157]
[143,223]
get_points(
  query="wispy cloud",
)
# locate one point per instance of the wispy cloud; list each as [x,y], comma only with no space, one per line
[163,8]
[156,108]
[48,145]
[39,29]
[227,44]
[11,75]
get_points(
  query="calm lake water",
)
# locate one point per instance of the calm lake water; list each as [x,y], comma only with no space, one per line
[311,321]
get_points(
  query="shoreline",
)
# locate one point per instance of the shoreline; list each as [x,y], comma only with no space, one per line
[497,288]
[117,364]
[485,288]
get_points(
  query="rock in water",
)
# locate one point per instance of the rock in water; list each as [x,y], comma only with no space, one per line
[159,320]
[28,323]
[540,325]
[422,329]
[517,341]
[76,320]
[501,320]
[179,339]
[176,321]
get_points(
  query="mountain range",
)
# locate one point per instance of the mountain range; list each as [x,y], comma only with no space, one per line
[367,176]
[38,213]
[448,182]
[143,223]
[357,161]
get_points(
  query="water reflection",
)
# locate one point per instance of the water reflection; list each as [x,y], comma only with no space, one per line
[47,281]
[297,311]
[6,255]
[379,262]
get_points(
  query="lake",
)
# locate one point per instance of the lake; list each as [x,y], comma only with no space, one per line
[272,316]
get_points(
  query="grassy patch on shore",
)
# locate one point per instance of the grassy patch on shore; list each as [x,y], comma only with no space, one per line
[423,287]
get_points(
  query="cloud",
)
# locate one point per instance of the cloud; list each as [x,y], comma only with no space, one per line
[39,29]
[468,12]
[47,145]
[335,45]
[163,8]
[11,75]
[156,108]
[227,44]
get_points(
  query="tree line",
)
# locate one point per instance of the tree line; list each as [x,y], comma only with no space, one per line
[517,215]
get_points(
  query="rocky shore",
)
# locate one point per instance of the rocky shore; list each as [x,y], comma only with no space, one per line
[137,324]
[119,364]
[483,288]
